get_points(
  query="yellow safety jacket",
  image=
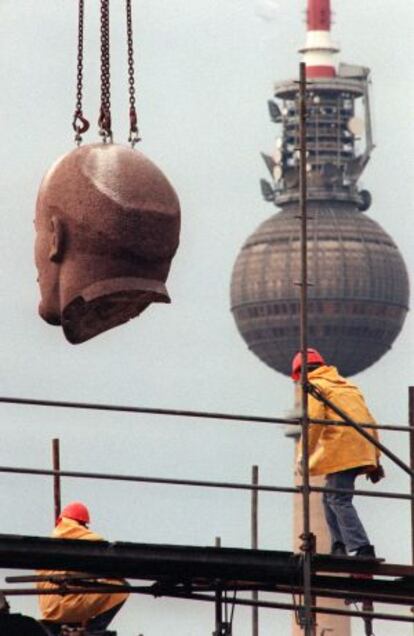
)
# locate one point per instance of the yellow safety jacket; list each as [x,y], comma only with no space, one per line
[75,608]
[336,448]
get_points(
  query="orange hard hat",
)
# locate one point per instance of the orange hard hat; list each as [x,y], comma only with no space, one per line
[313,357]
[77,511]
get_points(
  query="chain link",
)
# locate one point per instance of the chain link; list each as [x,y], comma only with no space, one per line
[133,118]
[79,124]
[104,120]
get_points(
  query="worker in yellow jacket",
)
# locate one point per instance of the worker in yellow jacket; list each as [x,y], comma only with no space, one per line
[339,452]
[93,611]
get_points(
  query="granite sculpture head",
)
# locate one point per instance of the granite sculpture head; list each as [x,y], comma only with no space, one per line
[107,227]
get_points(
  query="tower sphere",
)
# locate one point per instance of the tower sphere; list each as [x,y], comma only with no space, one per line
[358,293]
[358,285]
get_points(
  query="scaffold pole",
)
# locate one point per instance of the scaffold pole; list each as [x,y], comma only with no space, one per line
[56,478]
[255,543]
[411,424]
[308,622]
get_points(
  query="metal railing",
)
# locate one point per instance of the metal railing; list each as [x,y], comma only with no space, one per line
[300,608]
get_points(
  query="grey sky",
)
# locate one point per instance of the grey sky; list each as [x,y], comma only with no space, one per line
[205,70]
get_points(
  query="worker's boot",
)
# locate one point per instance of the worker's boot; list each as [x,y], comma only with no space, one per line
[338,549]
[366,552]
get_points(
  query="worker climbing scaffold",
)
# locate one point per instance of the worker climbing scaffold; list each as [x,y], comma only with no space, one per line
[340,453]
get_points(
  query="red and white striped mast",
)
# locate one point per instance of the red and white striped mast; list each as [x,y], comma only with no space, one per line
[319,50]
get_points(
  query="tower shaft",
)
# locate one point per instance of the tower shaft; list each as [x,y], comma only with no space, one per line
[319,15]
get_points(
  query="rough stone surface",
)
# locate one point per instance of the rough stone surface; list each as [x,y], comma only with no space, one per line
[107,224]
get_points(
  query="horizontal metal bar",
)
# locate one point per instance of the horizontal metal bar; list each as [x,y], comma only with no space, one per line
[379,427]
[196,483]
[143,561]
[69,584]
[394,591]
[53,578]
[64,590]
[148,480]
[326,586]
[148,410]
[197,596]
[320,563]
[365,493]
[315,608]
[351,596]
[157,562]
[323,587]
[157,589]
[90,584]
[292,421]
[193,482]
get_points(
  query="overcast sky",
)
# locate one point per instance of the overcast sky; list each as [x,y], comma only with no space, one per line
[204,72]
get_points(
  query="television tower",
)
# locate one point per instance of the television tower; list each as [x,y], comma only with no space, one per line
[358,294]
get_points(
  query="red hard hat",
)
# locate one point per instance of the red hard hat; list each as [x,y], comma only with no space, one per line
[76,511]
[314,357]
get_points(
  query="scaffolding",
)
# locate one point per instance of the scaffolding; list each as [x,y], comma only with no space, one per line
[213,575]
[216,575]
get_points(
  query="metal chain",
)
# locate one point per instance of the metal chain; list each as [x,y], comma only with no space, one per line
[104,120]
[133,119]
[79,124]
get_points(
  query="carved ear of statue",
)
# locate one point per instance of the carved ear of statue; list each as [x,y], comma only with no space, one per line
[57,242]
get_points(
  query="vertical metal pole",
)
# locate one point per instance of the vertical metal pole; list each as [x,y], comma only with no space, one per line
[255,544]
[411,424]
[219,602]
[308,622]
[219,612]
[56,478]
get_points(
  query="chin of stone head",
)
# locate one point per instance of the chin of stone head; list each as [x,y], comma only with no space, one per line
[102,261]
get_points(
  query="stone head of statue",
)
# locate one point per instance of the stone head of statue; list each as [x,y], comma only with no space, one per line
[107,227]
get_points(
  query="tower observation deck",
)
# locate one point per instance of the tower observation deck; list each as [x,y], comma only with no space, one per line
[358,294]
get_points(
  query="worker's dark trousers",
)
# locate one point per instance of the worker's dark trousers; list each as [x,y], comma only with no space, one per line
[342,518]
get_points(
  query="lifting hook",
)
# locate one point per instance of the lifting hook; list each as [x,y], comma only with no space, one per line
[80,125]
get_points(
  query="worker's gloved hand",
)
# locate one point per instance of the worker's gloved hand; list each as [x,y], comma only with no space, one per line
[299,469]
[376,474]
